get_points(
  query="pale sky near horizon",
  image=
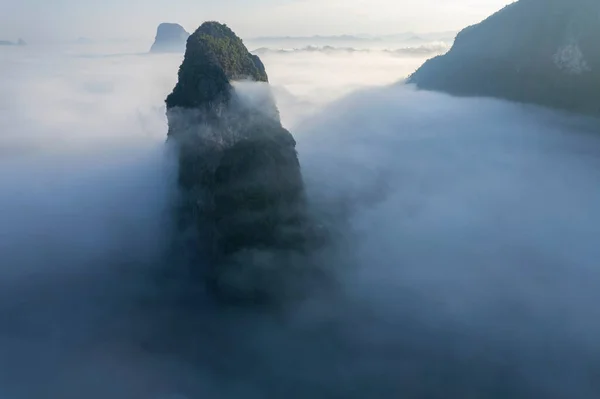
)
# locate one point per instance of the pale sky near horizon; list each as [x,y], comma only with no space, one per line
[39,20]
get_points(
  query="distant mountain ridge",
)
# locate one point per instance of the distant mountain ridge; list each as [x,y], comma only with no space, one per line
[405,36]
[417,51]
[314,37]
[19,42]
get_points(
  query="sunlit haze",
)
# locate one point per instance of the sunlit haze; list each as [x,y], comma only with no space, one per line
[38,20]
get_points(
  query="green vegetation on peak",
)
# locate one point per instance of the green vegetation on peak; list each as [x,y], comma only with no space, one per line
[214,57]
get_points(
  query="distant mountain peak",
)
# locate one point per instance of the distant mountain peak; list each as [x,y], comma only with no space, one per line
[170,37]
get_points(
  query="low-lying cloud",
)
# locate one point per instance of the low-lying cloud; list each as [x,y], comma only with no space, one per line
[305,82]
[86,189]
[467,265]
[478,226]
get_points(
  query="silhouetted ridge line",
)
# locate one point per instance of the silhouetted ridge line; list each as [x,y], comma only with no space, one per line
[533,51]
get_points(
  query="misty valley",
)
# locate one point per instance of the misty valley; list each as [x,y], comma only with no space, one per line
[411,215]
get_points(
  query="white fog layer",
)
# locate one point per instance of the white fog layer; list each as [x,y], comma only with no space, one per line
[467,264]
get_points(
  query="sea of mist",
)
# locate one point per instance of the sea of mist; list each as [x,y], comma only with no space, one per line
[466,260]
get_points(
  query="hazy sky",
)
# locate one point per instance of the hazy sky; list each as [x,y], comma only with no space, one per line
[63,19]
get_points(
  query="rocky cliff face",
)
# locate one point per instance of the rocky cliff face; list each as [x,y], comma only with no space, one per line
[243,193]
[533,51]
[169,38]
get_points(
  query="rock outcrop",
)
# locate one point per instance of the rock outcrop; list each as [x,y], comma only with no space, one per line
[243,194]
[169,38]
[533,51]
